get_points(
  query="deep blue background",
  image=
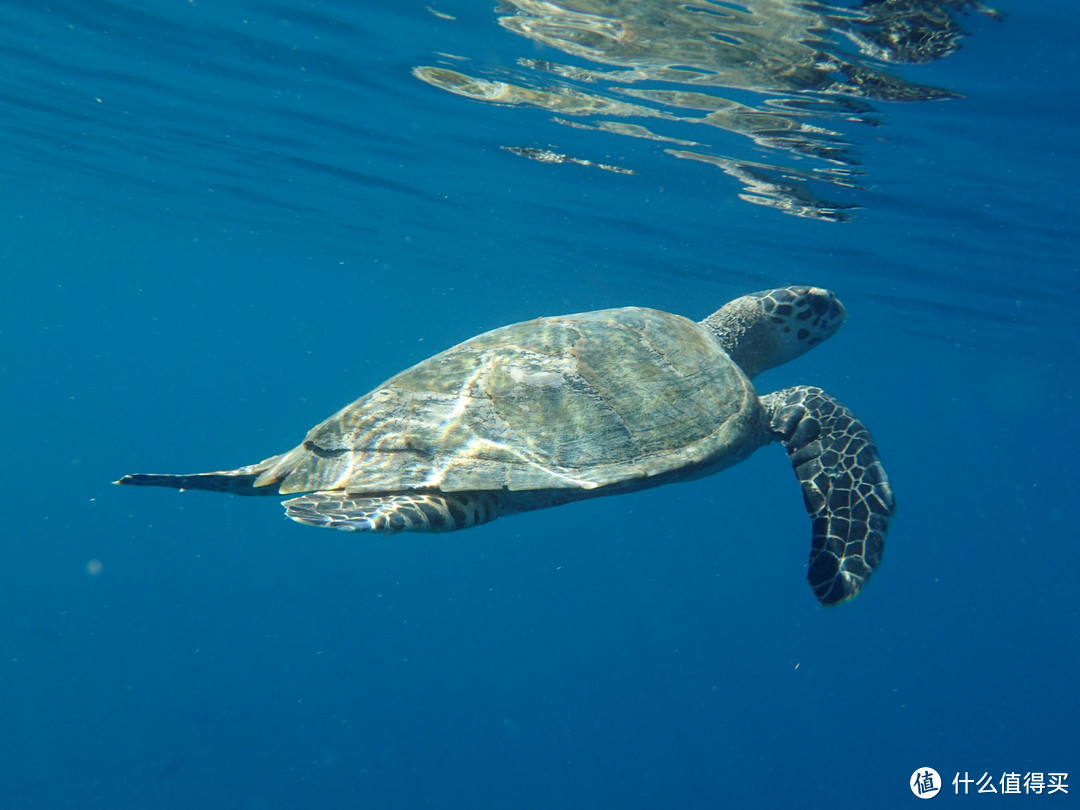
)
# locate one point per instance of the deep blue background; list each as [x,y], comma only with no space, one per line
[222,221]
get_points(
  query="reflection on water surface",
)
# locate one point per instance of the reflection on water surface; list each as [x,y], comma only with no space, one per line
[786,78]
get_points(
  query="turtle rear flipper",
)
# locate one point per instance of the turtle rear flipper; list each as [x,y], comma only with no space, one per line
[846,490]
[400,512]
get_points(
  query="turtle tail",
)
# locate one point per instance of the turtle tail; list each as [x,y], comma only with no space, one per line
[240,481]
[847,493]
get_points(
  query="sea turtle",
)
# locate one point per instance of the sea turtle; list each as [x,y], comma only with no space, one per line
[558,409]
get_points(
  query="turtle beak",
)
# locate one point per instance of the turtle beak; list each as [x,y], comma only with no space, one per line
[841,312]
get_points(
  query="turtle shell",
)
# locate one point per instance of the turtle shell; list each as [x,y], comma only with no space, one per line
[576,401]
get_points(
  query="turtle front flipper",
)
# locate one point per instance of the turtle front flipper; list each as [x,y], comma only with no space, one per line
[846,490]
[399,512]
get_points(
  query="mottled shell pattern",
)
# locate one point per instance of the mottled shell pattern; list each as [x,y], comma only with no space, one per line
[570,402]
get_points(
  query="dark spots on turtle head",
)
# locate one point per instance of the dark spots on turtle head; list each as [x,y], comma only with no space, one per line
[803,334]
[820,303]
[783,325]
[784,310]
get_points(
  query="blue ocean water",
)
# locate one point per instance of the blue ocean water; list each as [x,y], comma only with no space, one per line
[223,221]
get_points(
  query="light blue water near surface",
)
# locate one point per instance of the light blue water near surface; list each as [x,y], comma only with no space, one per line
[223,221]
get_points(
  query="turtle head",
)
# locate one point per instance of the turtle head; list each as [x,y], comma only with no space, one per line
[766,329]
